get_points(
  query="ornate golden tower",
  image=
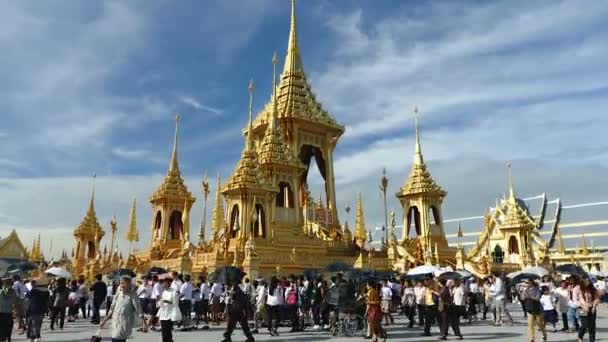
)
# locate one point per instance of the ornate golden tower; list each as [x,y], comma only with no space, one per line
[88,234]
[169,202]
[249,196]
[422,199]
[282,169]
[308,129]
[218,224]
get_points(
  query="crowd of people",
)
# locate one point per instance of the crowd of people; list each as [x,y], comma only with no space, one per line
[167,302]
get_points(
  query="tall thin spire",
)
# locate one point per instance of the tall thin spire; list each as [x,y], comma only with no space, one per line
[511,190]
[360,231]
[418,160]
[250,125]
[293,62]
[173,166]
[217,218]
[273,119]
[560,242]
[92,202]
[132,233]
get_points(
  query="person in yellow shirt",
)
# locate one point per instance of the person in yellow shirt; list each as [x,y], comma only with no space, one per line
[431,298]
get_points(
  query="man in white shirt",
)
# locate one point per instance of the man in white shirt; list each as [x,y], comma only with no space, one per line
[204,293]
[500,301]
[185,301]
[563,297]
[144,293]
[214,301]
[21,291]
[420,293]
[260,303]
[386,295]
[157,291]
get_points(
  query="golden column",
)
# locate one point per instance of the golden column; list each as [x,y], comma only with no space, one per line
[205,190]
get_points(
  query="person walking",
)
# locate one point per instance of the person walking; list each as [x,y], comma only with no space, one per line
[124,312]
[237,304]
[531,296]
[83,296]
[38,303]
[100,291]
[260,306]
[386,295]
[275,300]
[168,310]
[588,310]
[60,303]
[205,296]
[447,311]
[185,301]
[291,301]
[374,312]
[8,303]
[563,296]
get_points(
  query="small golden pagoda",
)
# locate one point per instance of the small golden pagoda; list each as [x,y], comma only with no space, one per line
[422,198]
[88,235]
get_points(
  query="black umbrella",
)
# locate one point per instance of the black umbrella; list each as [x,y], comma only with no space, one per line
[449,276]
[122,273]
[20,267]
[338,267]
[227,274]
[571,269]
[156,271]
[311,274]
[522,277]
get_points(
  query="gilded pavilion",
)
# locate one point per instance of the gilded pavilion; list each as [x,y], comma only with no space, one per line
[265,220]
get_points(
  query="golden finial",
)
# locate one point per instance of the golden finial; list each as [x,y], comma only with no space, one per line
[292,61]
[418,160]
[250,129]
[275,60]
[460,235]
[173,166]
[92,202]
[132,233]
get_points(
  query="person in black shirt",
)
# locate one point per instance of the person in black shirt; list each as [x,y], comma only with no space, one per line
[99,290]
[237,305]
[38,303]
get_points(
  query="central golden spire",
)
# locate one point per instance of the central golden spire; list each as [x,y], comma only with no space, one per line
[418,160]
[293,61]
[173,165]
[511,190]
[250,126]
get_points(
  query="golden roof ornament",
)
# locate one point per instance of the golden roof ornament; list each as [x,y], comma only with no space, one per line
[560,242]
[420,181]
[173,184]
[273,147]
[132,233]
[515,216]
[186,221]
[90,225]
[247,172]
[360,231]
[217,216]
[584,250]
[295,96]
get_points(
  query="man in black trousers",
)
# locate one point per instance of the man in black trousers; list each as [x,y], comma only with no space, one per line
[237,305]
[99,290]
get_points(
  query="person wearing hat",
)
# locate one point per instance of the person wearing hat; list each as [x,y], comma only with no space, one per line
[8,302]
[124,311]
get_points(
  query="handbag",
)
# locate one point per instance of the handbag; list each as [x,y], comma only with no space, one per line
[532,306]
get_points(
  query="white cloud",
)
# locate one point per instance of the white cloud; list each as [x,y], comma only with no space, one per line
[194,103]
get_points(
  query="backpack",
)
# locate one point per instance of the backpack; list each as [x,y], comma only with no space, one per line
[292,297]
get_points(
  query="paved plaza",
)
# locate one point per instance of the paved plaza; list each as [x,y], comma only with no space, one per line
[478,331]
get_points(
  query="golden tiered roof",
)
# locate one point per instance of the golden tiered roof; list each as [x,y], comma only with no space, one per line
[247,172]
[89,224]
[514,215]
[173,185]
[273,148]
[419,180]
[295,98]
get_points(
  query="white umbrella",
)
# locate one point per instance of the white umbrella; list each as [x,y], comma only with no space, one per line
[597,273]
[59,272]
[539,271]
[421,270]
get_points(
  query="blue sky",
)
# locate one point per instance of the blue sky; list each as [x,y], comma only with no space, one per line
[92,87]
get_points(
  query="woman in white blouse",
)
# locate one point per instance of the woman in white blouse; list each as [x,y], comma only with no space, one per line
[168,312]
[274,300]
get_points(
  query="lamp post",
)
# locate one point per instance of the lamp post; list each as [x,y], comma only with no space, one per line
[383,188]
[205,190]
